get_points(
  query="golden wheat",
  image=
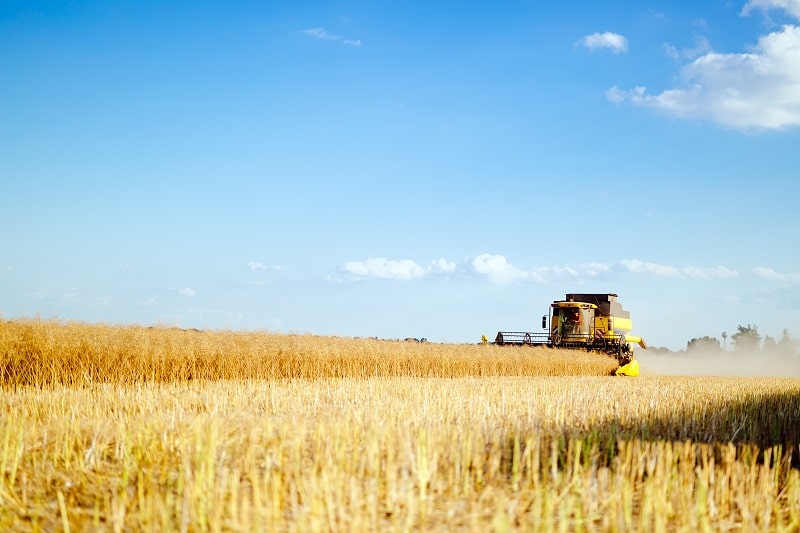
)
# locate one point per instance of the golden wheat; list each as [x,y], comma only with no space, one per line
[377,451]
[49,352]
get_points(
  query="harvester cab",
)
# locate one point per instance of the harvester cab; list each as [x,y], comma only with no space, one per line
[571,322]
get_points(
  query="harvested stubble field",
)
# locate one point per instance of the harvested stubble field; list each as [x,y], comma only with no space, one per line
[128,428]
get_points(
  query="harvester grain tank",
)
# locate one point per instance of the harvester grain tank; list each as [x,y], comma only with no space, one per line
[595,322]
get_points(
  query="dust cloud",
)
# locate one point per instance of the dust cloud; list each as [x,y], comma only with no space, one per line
[735,364]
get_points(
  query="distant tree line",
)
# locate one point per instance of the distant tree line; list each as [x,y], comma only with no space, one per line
[746,340]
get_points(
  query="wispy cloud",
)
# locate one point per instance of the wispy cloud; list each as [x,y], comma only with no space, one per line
[759,89]
[667,271]
[186,291]
[716,272]
[615,42]
[702,46]
[403,269]
[768,273]
[771,274]
[498,269]
[320,33]
[495,268]
[790,6]
[639,267]
[324,35]
[379,267]
[255,266]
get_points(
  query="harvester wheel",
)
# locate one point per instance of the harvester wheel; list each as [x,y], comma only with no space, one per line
[527,339]
[556,340]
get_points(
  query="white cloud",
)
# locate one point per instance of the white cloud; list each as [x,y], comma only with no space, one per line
[693,272]
[640,267]
[790,6]
[670,51]
[755,90]
[442,266]
[716,272]
[720,271]
[323,35]
[613,41]
[666,271]
[498,269]
[186,291]
[594,269]
[255,266]
[768,273]
[702,46]
[379,267]
[405,269]
[585,270]
[617,95]
[320,33]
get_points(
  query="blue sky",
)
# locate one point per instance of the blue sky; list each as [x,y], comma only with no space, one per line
[396,169]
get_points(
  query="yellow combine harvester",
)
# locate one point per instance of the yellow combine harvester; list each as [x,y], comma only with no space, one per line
[595,322]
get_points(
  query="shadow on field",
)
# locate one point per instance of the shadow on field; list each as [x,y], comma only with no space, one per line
[765,421]
[754,425]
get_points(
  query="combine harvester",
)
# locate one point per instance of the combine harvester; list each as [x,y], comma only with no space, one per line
[594,322]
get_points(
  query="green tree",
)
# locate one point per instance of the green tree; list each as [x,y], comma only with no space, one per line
[746,338]
[704,344]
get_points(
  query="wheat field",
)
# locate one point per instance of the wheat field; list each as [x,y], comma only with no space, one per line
[111,428]
[44,353]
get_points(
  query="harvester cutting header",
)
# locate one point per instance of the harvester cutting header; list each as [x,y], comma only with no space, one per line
[594,322]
